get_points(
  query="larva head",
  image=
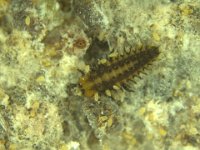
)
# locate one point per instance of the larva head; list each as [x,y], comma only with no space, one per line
[153,51]
[86,87]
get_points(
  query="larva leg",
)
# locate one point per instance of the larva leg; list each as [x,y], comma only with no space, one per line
[127,88]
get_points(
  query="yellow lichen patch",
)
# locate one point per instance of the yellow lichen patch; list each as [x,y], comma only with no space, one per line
[141,111]
[106,147]
[2,145]
[64,147]
[110,121]
[46,63]
[4,123]
[192,130]
[103,118]
[185,9]
[12,147]
[162,131]
[180,35]
[40,79]
[96,96]
[151,117]
[53,52]
[150,136]
[177,93]
[188,84]
[102,61]
[108,93]
[102,35]
[4,3]
[105,121]
[35,2]
[113,55]
[196,108]
[155,27]
[116,87]
[87,68]
[129,138]
[34,108]
[89,93]
[156,36]
[27,20]
[156,113]
[73,145]
[4,98]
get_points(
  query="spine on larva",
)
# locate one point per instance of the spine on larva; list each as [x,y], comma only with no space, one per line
[117,72]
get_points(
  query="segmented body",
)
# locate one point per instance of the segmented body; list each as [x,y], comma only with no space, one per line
[117,71]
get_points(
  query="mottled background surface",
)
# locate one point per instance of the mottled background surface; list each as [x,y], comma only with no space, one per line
[46,44]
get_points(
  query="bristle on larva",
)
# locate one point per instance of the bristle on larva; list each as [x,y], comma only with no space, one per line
[117,71]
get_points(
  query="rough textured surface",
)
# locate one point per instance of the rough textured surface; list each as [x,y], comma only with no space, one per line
[46,44]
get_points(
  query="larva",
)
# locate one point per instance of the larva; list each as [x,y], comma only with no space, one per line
[117,71]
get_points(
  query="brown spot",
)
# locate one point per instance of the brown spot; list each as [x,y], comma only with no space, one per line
[80,43]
